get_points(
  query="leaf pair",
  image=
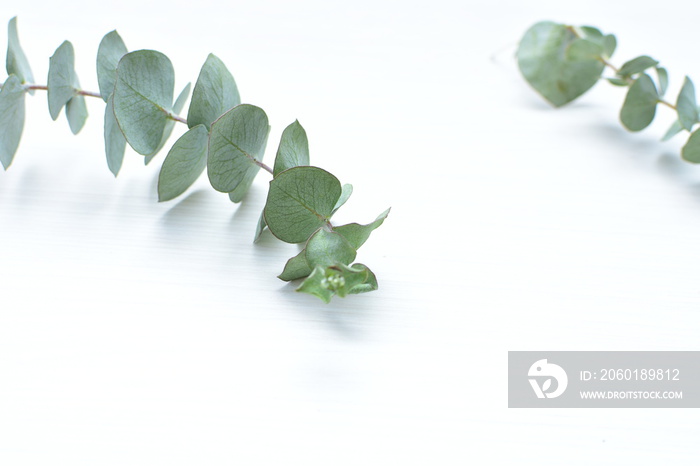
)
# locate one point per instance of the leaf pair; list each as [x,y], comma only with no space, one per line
[63,87]
[227,137]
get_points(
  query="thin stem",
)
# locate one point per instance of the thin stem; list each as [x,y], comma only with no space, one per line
[43,87]
[264,167]
[177,118]
[668,104]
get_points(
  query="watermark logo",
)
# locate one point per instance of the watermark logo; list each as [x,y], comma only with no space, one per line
[544,372]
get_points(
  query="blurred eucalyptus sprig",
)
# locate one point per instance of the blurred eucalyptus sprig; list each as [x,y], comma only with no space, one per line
[225,137]
[562,62]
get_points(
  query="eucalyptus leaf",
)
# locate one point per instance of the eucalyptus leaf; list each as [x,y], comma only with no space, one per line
[687,106]
[591,32]
[300,201]
[583,50]
[344,196]
[170,124]
[297,267]
[618,82]
[674,129]
[663,80]
[260,227]
[609,45]
[143,98]
[328,248]
[691,149]
[214,93]
[636,65]
[11,118]
[16,62]
[639,108]
[184,163]
[358,234]
[236,147]
[62,79]
[115,144]
[547,64]
[369,282]
[608,42]
[76,113]
[110,51]
[293,150]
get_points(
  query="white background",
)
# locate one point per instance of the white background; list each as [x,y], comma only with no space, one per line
[139,333]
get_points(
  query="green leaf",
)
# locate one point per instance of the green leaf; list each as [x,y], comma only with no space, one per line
[673,130]
[663,80]
[636,65]
[183,164]
[339,280]
[687,106]
[609,45]
[300,200]
[62,79]
[214,93]
[11,118]
[357,234]
[260,227]
[17,62]
[368,284]
[110,51]
[143,97]
[691,150]
[618,82]
[170,124]
[115,144]
[560,75]
[293,150]
[236,147]
[328,248]
[590,32]
[639,108]
[295,268]
[76,112]
[344,196]
[583,50]
[607,42]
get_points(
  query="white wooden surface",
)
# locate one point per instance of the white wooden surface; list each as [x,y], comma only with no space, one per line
[139,333]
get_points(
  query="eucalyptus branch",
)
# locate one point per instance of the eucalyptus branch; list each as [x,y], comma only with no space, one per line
[563,62]
[225,137]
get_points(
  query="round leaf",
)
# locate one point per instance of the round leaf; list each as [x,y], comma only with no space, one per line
[639,108]
[11,118]
[560,75]
[293,149]
[236,146]
[691,150]
[214,93]
[115,144]
[299,202]
[183,164]
[110,51]
[76,112]
[17,62]
[62,79]
[687,106]
[143,97]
